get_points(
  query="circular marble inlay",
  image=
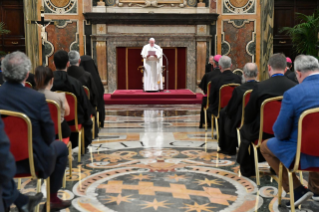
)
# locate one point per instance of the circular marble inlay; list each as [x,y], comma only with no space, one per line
[238,3]
[60,3]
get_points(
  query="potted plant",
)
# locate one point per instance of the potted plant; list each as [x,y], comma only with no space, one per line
[2,32]
[305,34]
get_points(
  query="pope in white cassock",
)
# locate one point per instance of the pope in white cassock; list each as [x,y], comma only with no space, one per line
[153,62]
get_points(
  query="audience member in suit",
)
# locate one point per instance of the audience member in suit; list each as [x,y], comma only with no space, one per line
[64,82]
[210,66]
[226,77]
[77,72]
[1,75]
[283,147]
[275,86]
[44,82]
[230,117]
[50,156]
[290,73]
[7,162]
[215,71]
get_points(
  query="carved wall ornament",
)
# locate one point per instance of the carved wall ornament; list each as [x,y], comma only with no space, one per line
[150,3]
[153,3]
[239,6]
[60,6]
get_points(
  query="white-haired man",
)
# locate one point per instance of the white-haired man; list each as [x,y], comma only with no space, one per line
[152,55]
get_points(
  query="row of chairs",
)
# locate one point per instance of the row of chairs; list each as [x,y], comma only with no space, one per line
[270,108]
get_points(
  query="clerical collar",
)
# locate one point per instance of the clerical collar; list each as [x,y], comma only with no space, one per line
[276,75]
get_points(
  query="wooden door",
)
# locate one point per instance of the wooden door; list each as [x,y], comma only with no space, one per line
[11,13]
[285,17]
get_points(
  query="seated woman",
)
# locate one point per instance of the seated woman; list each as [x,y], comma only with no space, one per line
[44,82]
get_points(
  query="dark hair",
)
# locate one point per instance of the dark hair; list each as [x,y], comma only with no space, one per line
[278,62]
[61,59]
[289,65]
[42,76]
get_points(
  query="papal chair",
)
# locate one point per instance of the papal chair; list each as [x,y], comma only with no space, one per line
[73,117]
[245,101]
[55,112]
[87,91]
[207,105]
[269,112]
[225,94]
[307,144]
[18,128]
[28,85]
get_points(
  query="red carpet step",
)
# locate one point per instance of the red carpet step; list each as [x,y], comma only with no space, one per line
[181,96]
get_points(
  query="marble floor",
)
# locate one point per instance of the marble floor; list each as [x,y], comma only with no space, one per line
[154,158]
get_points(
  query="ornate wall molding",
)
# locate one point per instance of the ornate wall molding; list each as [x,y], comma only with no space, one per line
[235,7]
[62,7]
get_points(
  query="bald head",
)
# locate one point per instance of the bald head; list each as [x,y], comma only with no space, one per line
[250,71]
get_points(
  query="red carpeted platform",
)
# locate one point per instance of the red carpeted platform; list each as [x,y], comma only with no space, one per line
[182,96]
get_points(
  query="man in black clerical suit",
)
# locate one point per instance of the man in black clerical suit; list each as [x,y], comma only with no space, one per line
[230,117]
[226,77]
[213,72]
[77,72]
[290,74]
[64,82]
[210,66]
[89,66]
[276,85]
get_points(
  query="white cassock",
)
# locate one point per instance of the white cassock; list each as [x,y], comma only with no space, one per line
[153,80]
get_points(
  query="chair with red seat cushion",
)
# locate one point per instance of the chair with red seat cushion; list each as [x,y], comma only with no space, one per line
[73,116]
[269,112]
[207,104]
[18,128]
[307,132]
[245,101]
[28,85]
[225,94]
[87,91]
[55,112]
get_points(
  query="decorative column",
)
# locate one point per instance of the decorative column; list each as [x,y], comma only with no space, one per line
[201,60]
[31,31]
[101,55]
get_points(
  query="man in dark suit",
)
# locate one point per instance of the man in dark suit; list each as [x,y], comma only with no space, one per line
[230,117]
[283,147]
[64,82]
[77,72]
[7,162]
[210,66]
[217,82]
[1,75]
[50,156]
[275,86]
[290,74]
[213,72]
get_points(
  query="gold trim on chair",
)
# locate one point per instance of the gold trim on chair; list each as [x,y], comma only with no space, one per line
[88,93]
[260,139]
[29,84]
[219,108]
[297,161]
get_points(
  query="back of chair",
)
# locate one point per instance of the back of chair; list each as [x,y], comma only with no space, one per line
[269,112]
[73,104]
[28,85]
[246,98]
[55,112]
[18,128]
[209,85]
[87,91]
[225,94]
[308,135]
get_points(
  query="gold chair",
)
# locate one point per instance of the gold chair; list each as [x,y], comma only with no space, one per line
[55,112]
[207,105]
[225,94]
[87,91]
[269,112]
[244,103]
[22,146]
[28,85]
[307,132]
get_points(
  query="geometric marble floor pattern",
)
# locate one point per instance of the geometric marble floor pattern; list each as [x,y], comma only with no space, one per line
[154,158]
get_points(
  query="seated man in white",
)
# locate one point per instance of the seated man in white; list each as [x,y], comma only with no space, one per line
[152,55]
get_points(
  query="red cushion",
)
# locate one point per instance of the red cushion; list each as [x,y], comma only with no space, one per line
[71,102]
[309,142]
[24,175]
[226,94]
[247,97]
[54,116]
[271,112]
[73,127]
[66,140]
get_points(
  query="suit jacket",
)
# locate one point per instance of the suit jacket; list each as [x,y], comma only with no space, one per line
[217,82]
[207,78]
[64,82]
[291,75]
[234,107]
[16,97]
[274,86]
[296,100]
[208,68]
[86,79]
[1,78]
